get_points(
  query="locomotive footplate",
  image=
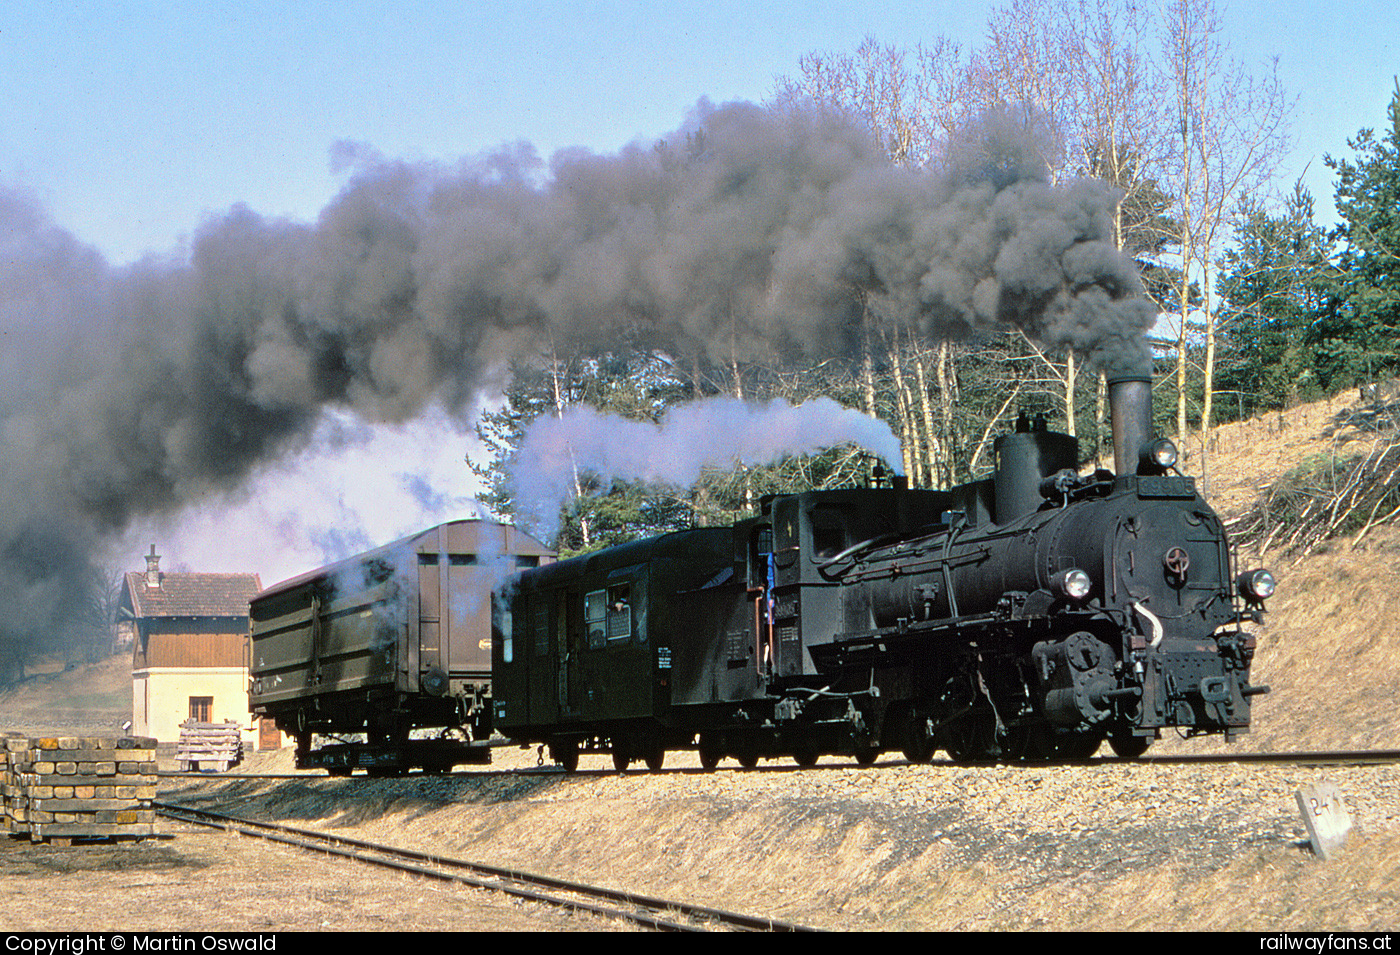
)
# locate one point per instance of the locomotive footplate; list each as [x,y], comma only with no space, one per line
[889,643]
[430,755]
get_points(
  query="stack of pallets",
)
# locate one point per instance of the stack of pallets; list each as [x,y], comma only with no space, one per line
[206,746]
[61,788]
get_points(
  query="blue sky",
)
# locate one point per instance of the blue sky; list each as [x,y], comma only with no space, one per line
[132,121]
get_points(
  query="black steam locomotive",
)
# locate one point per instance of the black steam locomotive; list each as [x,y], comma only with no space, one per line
[1031,615]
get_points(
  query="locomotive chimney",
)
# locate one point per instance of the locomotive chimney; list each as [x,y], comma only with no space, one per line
[1130,407]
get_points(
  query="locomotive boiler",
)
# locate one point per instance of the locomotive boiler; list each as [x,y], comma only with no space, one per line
[1029,615]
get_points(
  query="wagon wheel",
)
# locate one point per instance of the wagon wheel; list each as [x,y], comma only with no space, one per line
[1031,743]
[621,758]
[655,757]
[565,753]
[710,753]
[918,744]
[1128,746]
[971,738]
[1077,745]
[805,754]
[867,753]
[747,755]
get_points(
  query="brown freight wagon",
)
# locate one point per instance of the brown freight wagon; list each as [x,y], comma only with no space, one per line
[358,659]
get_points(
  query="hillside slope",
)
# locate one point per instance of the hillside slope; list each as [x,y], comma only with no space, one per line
[1330,646]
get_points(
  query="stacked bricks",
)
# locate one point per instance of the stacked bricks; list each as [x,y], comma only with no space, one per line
[57,789]
[214,746]
[11,744]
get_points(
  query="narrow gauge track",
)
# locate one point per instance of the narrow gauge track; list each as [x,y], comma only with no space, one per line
[1360,757]
[643,910]
[1356,757]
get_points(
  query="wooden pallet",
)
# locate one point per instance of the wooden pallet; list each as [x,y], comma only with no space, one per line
[209,746]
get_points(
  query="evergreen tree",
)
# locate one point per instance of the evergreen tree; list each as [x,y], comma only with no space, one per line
[1358,341]
[631,384]
[1275,288]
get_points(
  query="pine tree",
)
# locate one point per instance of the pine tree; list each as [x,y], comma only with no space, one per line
[1275,286]
[1358,342]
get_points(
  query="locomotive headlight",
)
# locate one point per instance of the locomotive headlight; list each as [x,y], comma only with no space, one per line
[1158,456]
[1073,584]
[1255,585]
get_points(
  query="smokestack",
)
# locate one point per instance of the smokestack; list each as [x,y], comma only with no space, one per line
[153,569]
[1130,407]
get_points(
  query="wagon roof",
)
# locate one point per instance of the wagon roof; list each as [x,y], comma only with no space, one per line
[517,542]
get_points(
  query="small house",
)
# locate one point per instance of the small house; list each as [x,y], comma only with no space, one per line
[189,648]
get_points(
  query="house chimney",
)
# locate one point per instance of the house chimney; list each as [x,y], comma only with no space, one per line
[153,569]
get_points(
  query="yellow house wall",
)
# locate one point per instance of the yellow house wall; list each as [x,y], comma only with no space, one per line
[160,699]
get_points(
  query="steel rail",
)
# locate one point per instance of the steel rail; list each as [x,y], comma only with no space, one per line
[1356,757]
[645,910]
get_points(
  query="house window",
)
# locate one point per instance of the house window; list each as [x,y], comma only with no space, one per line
[202,709]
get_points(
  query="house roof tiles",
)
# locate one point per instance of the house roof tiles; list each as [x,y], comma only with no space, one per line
[192,595]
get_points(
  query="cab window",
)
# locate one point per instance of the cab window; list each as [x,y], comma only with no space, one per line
[829,530]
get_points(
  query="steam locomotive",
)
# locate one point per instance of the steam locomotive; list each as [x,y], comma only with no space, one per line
[1027,616]
[1030,615]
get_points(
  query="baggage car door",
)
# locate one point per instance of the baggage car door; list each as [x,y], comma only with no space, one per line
[536,642]
[617,655]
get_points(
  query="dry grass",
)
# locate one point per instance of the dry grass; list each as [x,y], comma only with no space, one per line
[1330,647]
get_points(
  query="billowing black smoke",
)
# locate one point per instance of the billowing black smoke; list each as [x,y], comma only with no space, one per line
[136,390]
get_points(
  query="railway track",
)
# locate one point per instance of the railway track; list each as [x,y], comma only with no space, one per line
[1365,757]
[1360,757]
[642,910]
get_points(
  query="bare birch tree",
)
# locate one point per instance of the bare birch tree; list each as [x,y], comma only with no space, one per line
[1230,129]
[911,100]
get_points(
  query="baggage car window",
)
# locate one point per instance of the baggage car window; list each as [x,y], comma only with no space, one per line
[539,625]
[619,613]
[501,618]
[639,609]
[595,616]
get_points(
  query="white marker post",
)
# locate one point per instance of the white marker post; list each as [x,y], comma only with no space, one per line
[1325,816]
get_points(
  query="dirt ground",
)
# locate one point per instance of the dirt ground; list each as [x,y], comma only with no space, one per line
[199,880]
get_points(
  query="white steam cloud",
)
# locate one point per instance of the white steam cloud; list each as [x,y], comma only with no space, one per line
[712,433]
